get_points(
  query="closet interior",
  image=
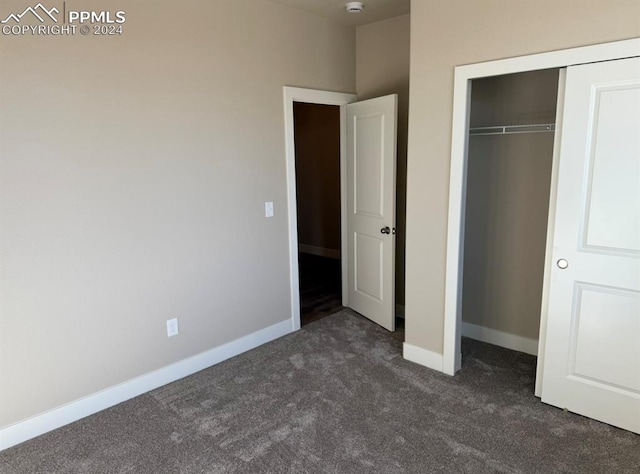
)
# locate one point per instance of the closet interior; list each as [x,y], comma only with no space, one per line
[510,152]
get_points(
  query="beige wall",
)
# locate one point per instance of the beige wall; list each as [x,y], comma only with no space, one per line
[508,181]
[317,141]
[445,34]
[382,68]
[505,233]
[133,180]
[514,99]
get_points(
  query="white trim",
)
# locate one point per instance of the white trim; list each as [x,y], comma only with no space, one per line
[500,338]
[546,281]
[457,185]
[421,356]
[344,242]
[455,233]
[319,251]
[52,419]
[312,96]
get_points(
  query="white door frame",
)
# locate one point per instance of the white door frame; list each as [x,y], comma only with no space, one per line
[312,96]
[458,174]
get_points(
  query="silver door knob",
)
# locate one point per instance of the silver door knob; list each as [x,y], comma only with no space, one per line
[562,264]
[385,230]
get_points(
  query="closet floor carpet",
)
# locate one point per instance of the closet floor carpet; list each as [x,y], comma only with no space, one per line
[337,397]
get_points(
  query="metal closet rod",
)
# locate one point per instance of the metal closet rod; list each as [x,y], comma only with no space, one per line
[504,129]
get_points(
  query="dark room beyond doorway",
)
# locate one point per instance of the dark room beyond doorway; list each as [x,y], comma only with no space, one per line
[317,150]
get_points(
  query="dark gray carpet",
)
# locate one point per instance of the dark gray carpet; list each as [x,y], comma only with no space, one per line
[337,397]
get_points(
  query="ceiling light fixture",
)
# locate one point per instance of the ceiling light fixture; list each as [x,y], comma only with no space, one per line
[354,7]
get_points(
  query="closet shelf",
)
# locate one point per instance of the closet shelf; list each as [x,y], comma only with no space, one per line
[504,129]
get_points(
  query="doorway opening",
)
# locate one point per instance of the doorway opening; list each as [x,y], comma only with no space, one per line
[368,146]
[317,169]
[293,95]
[509,168]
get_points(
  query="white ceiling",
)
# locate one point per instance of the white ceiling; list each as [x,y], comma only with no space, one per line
[374,10]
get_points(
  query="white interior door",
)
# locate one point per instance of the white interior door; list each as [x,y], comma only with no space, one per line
[371,208]
[592,361]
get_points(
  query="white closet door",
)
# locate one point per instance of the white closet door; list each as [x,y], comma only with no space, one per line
[592,362]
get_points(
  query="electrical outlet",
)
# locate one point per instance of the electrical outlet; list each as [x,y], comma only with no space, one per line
[172,327]
[268,209]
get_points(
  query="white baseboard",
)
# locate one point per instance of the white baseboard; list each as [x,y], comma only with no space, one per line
[50,420]
[421,356]
[320,251]
[499,338]
[400,311]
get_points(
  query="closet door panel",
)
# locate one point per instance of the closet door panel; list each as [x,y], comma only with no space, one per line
[592,361]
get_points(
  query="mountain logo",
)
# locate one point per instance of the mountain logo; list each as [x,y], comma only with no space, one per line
[39,11]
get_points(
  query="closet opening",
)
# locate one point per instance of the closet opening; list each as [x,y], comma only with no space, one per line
[318,207]
[510,156]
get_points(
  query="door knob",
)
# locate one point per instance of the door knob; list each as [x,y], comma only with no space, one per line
[562,264]
[385,230]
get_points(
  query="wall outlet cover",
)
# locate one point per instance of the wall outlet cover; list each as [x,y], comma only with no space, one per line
[172,327]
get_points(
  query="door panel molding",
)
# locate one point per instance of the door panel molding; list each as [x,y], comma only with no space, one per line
[367,170]
[602,98]
[375,288]
[578,366]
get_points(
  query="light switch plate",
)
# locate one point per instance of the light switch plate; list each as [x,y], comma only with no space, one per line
[268,209]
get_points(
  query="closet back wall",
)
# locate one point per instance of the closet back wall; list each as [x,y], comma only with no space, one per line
[507,203]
